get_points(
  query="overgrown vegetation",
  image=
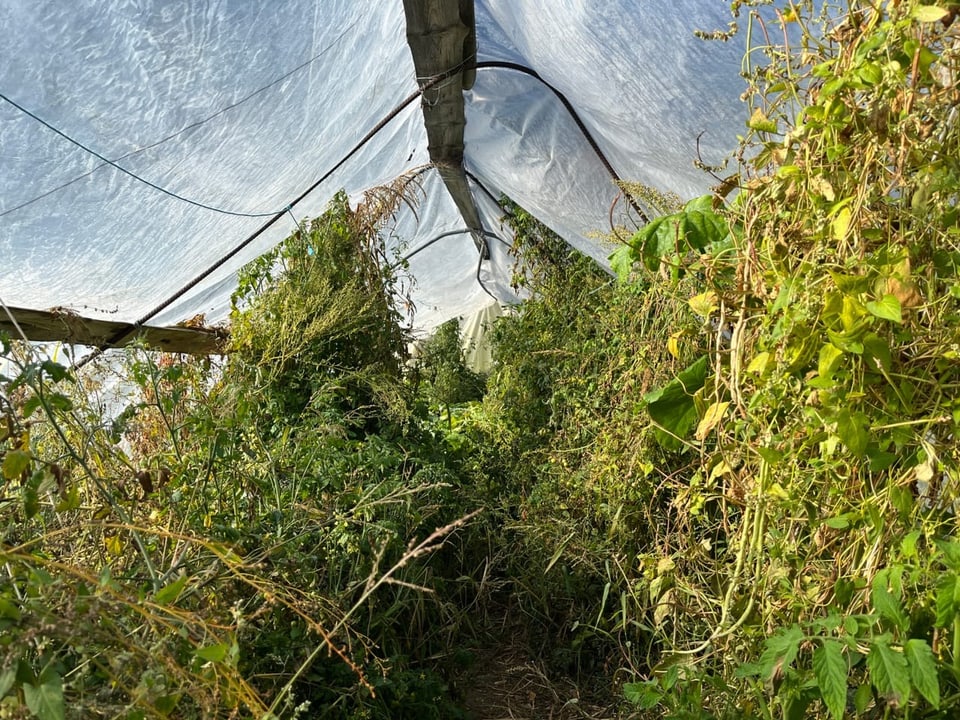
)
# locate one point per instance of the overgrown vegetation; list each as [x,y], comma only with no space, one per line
[257,539]
[721,485]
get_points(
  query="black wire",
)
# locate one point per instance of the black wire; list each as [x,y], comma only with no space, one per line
[125,332]
[479,281]
[132,174]
[191,126]
[501,64]
[441,236]
[377,128]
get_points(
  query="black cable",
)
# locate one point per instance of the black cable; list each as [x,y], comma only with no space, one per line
[479,281]
[427,244]
[441,236]
[120,335]
[476,181]
[135,326]
[500,64]
[191,126]
[132,174]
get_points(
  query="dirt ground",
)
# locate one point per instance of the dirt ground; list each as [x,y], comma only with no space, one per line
[506,683]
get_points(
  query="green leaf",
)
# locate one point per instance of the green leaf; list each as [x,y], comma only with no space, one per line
[780,650]
[888,672]
[908,546]
[56,371]
[870,73]
[830,669]
[862,698]
[30,498]
[887,308]
[8,610]
[830,357]
[951,553]
[212,653]
[166,704]
[656,239]
[923,670]
[886,604]
[46,699]
[877,352]
[673,408]
[621,262]
[840,522]
[7,678]
[30,406]
[646,695]
[59,401]
[169,593]
[852,431]
[701,226]
[14,463]
[947,589]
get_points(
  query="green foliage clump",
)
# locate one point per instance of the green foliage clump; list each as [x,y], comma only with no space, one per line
[279,535]
[442,365]
[314,320]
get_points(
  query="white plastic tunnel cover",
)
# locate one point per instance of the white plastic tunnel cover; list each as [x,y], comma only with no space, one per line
[142,141]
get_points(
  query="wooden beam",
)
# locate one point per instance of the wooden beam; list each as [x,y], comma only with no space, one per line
[443,42]
[62,325]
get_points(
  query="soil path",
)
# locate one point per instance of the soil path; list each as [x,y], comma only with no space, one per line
[506,683]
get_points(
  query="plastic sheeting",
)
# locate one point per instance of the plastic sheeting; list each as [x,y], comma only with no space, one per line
[221,112]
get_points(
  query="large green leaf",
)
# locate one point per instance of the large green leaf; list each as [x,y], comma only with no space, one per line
[170,592]
[852,429]
[672,407]
[780,650]
[621,262]
[46,699]
[948,590]
[886,604]
[830,669]
[887,308]
[212,653]
[923,670]
[696,227]
[701,226]
[645,695]
[889,672]
[7,678]
[659,239]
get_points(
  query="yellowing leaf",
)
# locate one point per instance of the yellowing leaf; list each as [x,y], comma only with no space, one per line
[114,545]
[776,490]
[830,357]
[673,346]
[703,304]
[822,187]
[14,463]
[759,121]
[721,468]
[906,291]
[711,419]
[759,364]
[840,224]
[929,13]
